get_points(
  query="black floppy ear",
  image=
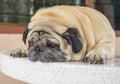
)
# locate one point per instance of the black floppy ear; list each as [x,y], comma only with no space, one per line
[25,33]
[72,36]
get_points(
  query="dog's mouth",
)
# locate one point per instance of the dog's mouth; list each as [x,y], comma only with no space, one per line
[46,57]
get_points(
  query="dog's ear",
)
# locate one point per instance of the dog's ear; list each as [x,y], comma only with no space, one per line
[73,37]
[25,33]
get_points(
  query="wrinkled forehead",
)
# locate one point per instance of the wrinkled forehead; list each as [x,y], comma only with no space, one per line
[40,28]
[47,26]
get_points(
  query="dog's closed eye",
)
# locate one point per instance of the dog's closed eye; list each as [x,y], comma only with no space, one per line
[32,41]
[52,45]
[30,44]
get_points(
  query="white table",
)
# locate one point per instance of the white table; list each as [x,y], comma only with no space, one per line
[60,73]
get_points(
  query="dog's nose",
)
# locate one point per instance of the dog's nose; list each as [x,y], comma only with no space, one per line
[39,49]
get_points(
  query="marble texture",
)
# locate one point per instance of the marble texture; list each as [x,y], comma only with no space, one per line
[60,73]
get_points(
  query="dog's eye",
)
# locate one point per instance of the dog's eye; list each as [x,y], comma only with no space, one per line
[30,44]
[53,46]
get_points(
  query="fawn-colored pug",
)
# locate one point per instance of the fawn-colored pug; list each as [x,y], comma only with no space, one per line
[68,33]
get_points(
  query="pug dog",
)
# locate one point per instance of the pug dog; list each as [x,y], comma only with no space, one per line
[68,33]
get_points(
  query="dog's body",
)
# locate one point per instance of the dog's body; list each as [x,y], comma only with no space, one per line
[82,33]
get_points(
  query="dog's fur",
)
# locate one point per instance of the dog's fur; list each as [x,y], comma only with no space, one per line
[77,33]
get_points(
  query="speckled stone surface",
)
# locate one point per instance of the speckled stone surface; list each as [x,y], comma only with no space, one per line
[60,73]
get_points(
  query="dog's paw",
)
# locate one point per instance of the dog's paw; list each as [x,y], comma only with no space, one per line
[94,58]
[18,53]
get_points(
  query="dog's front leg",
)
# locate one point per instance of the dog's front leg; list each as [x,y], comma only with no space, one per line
[19,52]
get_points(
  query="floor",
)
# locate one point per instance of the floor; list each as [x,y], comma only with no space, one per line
[5,41]
[14,41]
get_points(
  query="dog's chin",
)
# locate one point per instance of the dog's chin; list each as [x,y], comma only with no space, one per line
[33,56]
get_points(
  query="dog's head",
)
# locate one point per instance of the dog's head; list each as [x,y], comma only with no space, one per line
[48,44]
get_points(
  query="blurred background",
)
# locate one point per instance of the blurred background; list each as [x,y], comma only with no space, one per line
[15,14]
[20,11]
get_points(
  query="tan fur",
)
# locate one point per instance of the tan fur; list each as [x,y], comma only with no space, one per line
[97,35]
